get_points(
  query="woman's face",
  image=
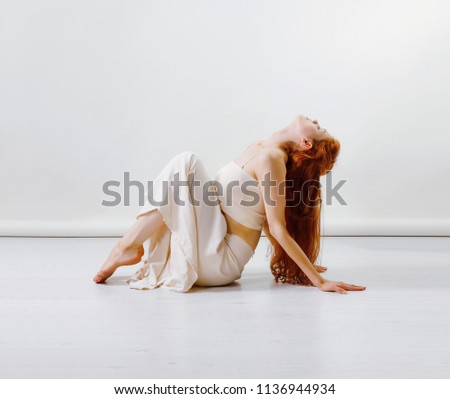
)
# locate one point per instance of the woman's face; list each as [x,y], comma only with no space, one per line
[310,128]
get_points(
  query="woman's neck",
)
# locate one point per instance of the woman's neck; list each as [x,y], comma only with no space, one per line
[279,138]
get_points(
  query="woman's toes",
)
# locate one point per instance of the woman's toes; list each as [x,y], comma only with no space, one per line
[99,278]
[119,257]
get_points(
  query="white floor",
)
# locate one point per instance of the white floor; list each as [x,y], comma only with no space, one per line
[56,323]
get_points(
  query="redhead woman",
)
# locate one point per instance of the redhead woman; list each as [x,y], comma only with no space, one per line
[205,232]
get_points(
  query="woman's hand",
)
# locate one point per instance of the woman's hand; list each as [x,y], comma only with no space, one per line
[320,269]
[339,286]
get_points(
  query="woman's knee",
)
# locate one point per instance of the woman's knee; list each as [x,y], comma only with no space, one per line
[185,157]
[189,155]
[188,158]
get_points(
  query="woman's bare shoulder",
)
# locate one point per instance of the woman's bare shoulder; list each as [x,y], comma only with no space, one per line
[270,159]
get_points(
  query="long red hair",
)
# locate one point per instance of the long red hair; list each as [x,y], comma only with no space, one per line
[303,206]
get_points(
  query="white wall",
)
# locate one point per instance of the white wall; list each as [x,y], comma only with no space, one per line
[90,89]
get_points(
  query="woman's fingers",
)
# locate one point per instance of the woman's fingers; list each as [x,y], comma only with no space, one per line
[351,287]
[340,290]
[340,287]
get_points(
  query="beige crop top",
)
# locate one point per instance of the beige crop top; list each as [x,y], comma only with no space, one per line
[239,195]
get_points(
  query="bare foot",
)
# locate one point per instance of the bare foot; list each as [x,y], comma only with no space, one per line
[119,256]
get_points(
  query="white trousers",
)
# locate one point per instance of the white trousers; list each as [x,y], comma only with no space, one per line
[193,246]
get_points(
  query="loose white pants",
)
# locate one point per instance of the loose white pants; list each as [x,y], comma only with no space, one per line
[193,246]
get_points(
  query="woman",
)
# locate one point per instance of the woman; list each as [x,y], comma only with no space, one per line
[209,244]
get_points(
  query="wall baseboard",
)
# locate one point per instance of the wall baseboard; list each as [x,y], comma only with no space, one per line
[387,227]
[336,227]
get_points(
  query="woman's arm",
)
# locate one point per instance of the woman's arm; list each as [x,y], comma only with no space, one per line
[274,195]
[296,254]
[273,167]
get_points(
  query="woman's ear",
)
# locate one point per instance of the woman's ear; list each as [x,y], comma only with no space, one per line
[305,143]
